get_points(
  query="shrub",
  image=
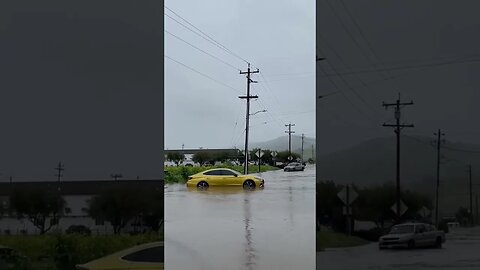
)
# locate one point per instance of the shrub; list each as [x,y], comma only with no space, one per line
[370,235]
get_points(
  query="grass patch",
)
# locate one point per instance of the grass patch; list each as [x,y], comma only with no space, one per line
[329,239]
[180,174]
[58,252]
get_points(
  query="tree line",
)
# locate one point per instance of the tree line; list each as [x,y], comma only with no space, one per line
[372,204]
[209,157]
[119,207]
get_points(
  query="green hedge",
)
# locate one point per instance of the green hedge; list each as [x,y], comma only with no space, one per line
[59,252]
[180,174]
[329,239]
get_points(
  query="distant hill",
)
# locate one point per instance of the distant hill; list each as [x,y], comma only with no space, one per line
[281,144]
[374,162]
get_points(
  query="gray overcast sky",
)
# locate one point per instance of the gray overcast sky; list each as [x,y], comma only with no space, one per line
[81,82]
[372,35]
[278,37]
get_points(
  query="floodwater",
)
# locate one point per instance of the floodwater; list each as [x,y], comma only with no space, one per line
[460,251]
[233,229]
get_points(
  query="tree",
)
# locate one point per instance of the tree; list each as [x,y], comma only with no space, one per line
[153,211]
[175,157]
[202,157]
[463,216]
[38,206]
[282,156]
[117,206]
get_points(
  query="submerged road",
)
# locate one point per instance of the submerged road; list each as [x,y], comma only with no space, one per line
[461,251]
[233,229]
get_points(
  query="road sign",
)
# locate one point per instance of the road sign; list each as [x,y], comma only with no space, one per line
[425,212]
[274,153]
[261,154]
[290,158]
[343,195]
[403,208]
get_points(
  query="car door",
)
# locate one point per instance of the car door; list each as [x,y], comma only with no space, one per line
[230,178]
[430,235]
[420,235]
[214,178]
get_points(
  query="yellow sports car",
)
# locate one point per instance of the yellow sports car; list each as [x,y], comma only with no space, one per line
[142,257]
[224,177]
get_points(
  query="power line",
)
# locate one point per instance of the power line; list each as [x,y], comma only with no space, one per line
[343,94]
[209,38]
[403,67]
[343,79]
[463,150]
[196,71]
[353,38]
[207,53]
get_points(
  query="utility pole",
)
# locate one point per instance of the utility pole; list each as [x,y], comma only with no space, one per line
[303,136]
[247,122]
[313,155]
[476,208]
[439,141]
[471,197]
[398,127]
[289,131]
[59,169]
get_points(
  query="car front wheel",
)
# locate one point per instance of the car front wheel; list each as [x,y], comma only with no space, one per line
[249,184]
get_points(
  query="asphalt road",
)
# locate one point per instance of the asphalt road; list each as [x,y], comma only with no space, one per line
[233,229]
[461,251]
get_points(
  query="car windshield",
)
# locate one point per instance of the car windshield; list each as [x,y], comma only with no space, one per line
[399,229]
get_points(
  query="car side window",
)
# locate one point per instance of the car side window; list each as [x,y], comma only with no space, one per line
[213,173]
[419,228]
[154,254]
[230,173]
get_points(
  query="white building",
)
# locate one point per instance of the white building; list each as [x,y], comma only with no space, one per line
[76,195]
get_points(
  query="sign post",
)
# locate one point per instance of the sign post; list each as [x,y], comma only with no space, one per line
[348,195]
[259,154]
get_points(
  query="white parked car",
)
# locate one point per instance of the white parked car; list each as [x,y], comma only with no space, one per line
[294,166]
[412,235]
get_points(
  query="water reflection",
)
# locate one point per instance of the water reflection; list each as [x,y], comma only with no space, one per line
[250,252]
[222,190]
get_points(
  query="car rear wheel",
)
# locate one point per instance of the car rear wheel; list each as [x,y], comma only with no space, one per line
[202,185]
[411,244]
[249,184]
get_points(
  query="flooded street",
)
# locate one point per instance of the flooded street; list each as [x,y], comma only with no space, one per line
[459,252]
[233,229]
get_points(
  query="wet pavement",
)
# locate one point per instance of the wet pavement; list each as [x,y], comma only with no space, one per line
[461,251]
[230,228]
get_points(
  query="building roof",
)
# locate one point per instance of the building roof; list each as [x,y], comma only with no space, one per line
[82,187]
[193,151]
